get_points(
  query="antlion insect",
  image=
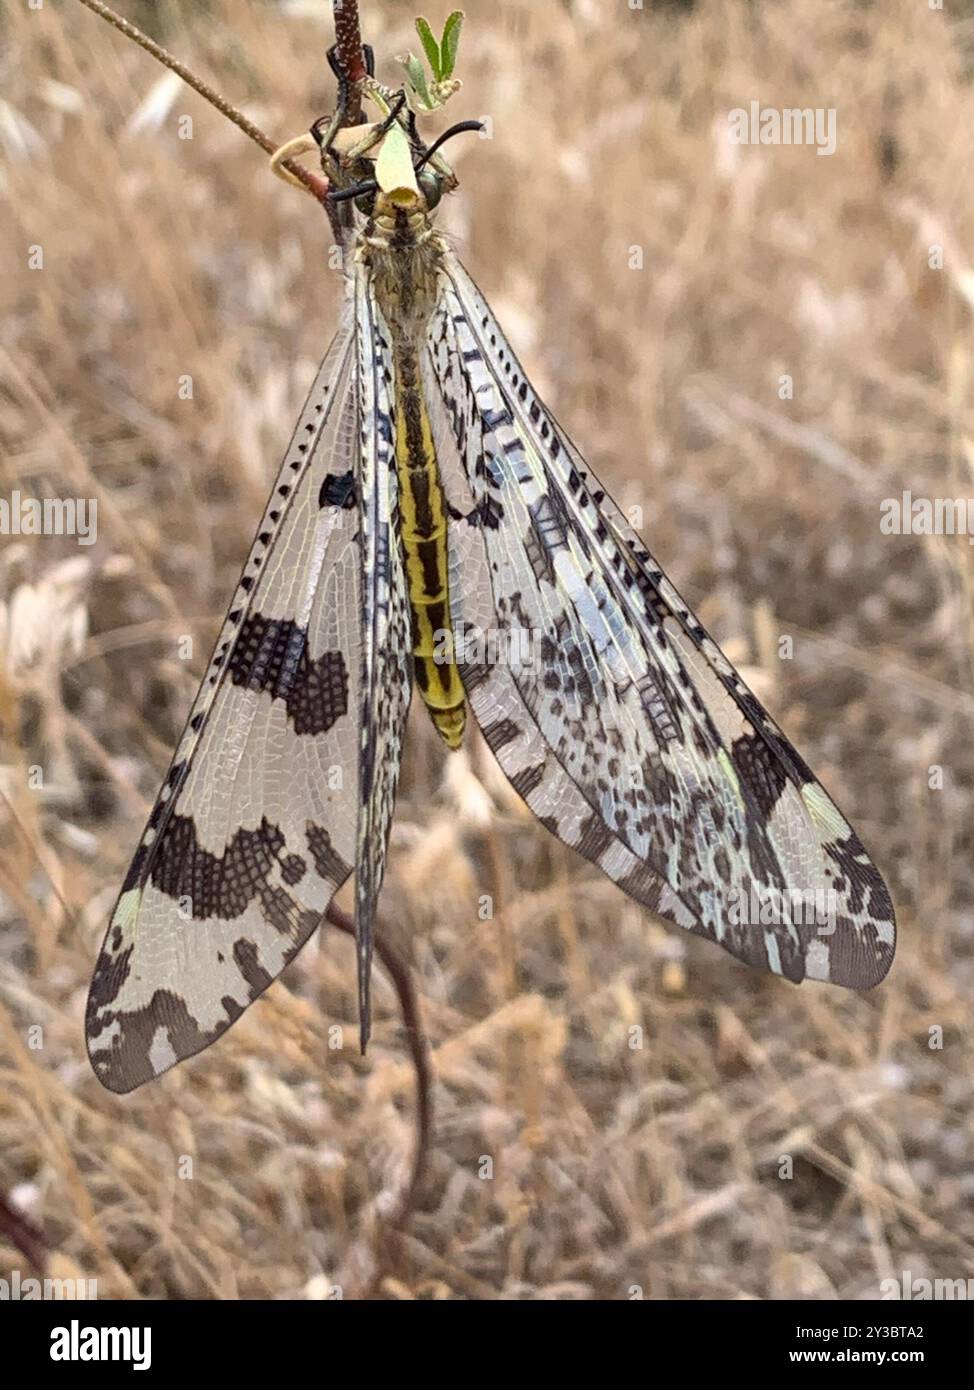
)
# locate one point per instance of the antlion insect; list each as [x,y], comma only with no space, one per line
[427,488]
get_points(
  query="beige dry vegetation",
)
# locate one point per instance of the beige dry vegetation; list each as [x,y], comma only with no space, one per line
[613,1166]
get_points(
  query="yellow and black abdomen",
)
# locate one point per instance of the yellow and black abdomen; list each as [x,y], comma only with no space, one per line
[424,539]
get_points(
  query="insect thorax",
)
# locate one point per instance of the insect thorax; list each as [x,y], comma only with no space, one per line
[404,252]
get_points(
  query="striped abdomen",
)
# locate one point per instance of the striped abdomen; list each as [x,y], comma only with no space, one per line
[424,541]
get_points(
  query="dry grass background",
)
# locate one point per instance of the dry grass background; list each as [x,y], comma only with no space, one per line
[612,1167]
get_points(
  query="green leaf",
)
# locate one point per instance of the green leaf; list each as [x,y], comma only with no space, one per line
[450,43]
[430,45]
[417,78]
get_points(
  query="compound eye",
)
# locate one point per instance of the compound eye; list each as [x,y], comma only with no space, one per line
[432,187]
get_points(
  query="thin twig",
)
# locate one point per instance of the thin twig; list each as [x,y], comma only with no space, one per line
[317,187]
[402,980]
[349,55]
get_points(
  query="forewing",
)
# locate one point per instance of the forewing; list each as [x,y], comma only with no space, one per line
[629,732]
[254,828]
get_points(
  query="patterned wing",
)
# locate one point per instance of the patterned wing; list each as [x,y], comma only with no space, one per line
[627,731]
[387,671]
[255,826]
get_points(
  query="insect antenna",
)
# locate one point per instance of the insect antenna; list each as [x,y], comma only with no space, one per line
[457,129]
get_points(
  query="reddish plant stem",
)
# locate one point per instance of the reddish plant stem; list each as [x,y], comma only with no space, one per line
[348,51]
